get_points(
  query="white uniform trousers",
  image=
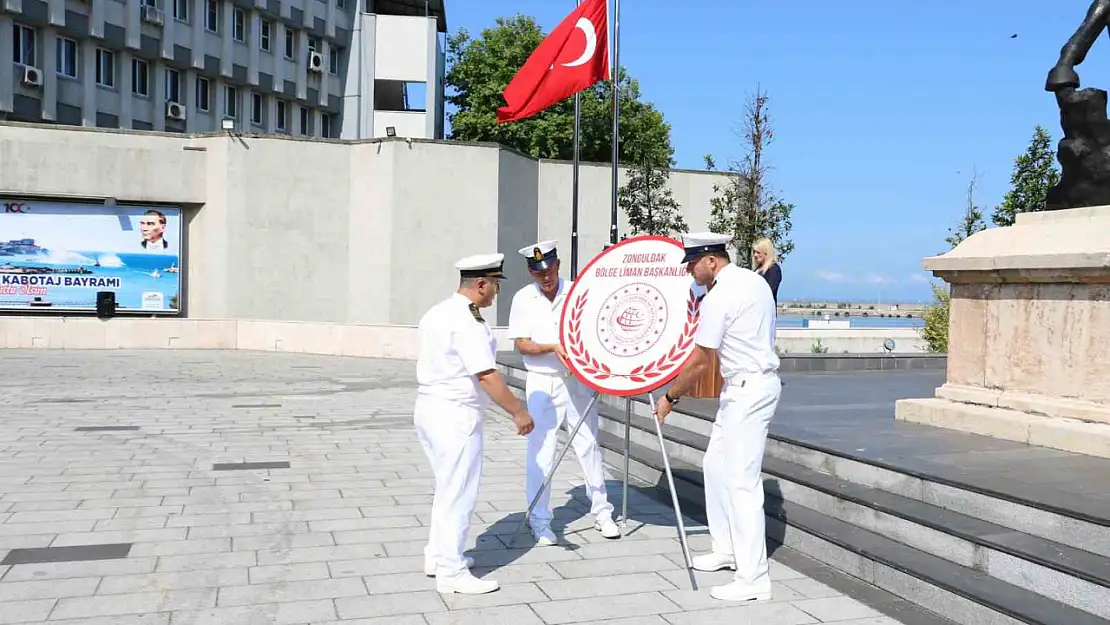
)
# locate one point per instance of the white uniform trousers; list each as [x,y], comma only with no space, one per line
[451,436]
[733,465]
[553,401]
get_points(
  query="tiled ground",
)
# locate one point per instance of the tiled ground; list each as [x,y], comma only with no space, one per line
[336,537]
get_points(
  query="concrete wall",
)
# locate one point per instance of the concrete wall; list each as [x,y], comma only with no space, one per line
[290,229]
[364,340]
[794,341]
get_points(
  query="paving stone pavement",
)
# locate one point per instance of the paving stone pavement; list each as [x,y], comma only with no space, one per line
[334,538]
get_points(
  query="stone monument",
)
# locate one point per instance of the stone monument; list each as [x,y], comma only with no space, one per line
[1029,328]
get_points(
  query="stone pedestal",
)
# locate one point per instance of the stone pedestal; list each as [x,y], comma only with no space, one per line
[1029,334]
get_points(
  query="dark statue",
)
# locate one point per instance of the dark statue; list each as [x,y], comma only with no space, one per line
[1084,152]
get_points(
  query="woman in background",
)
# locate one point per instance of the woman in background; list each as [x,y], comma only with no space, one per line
[765,263]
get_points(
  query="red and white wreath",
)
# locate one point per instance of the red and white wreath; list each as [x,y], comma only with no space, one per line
[588,365]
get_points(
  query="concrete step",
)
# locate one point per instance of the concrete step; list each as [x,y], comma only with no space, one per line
[1072,576]
[1062,522]
[962,594]
[991,571]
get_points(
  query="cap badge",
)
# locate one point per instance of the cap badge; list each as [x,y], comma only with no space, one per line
[537,254]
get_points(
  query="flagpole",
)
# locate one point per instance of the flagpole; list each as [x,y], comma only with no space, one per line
[574,184]
[616,115]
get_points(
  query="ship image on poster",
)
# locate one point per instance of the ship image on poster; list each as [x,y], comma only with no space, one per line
[56,256]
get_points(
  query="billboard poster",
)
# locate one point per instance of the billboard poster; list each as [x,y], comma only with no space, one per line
[57,256]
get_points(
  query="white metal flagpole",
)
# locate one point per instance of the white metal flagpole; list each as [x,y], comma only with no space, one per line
[615,76]
[574,184]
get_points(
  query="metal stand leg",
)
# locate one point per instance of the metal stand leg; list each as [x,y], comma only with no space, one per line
[674,498]
[547,481]
[627,456]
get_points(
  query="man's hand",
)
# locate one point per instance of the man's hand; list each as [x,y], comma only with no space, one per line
[662,409]
[561,353]
[523,422]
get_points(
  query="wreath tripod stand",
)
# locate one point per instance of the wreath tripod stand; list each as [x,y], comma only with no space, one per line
[679,525]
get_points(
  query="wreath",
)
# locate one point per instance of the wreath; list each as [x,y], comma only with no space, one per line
[589,365]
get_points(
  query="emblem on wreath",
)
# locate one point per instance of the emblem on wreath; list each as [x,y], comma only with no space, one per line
[632,320]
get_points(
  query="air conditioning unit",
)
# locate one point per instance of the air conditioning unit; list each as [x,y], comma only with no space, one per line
[32,77]
[152,15]
[175,110]
[315,62]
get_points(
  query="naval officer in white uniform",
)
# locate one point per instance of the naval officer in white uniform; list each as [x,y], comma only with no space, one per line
[457,376]
[738,322]
[555,397]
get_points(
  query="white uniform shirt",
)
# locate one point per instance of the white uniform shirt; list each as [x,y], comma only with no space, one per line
[738,320]
[533,316]
[454,347]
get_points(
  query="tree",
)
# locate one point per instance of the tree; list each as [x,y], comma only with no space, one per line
[647,199]
[480,68]
[745,206]
[935,329]
[972,221]
[1034,174]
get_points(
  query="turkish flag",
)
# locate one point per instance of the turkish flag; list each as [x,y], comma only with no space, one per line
[573,57]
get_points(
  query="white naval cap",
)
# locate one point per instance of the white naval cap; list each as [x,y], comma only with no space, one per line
[540,255]
[698,244]
[482,266]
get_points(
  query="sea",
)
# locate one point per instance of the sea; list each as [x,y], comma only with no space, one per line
[135,271]
[855,321]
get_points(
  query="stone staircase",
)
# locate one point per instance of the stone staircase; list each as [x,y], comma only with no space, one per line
[943,540]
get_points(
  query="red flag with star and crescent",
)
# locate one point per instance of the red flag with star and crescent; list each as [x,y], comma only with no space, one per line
[574,57]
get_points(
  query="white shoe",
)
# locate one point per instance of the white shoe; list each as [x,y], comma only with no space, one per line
[714,562]
[737,591]
[465,584]
[430,565]
[607,528]
[545,537]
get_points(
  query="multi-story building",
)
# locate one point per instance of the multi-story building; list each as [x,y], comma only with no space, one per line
[351,69]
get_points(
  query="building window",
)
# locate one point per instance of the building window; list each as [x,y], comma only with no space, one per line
[203,97]
[105,68]
[341,3]
[173,86]
[256,109]
[282,115]
[231,102]
[290,44]
[140,77]
[325,125]
[399,95]
[313,44]
[181,10]
[23,45]
[334,53]
[304,121]
[240,31]
[65,52]
[212,17]
[264,35]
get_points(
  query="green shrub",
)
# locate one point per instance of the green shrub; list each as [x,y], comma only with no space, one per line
[935,330]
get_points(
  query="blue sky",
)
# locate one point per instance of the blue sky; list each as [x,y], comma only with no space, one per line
[882,111]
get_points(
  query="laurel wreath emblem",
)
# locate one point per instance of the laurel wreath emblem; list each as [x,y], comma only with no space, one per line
[589,365]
